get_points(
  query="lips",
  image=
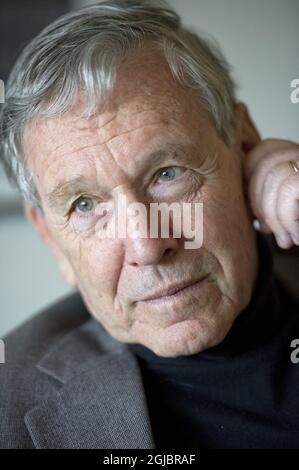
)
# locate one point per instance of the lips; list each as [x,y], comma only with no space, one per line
[173,290]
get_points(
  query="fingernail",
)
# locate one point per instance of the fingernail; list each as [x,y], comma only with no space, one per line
[283,240]
[295,239]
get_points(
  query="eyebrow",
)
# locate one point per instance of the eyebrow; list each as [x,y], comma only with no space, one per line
[65,190]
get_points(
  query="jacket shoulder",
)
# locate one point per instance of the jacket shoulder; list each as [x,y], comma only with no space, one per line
[29,341]
[21,384]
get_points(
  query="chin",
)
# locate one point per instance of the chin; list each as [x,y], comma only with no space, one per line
[186,338]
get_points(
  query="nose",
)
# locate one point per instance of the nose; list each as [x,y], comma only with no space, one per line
[144,250]
[149,251]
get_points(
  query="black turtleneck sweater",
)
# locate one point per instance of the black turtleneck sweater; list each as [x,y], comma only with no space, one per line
[243,393]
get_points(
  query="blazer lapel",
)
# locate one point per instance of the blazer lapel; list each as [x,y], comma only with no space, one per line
[101,403]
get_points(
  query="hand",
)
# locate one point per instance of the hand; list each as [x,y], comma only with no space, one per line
[273,189]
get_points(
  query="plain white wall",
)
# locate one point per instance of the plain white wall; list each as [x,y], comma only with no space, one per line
[260,38]
[29,276]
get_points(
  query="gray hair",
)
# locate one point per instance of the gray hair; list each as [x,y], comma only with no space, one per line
[82,50]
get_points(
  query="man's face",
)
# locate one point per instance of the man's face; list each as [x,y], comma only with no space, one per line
[151,123]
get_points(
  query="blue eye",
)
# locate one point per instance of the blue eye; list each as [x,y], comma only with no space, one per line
[170,173]
[84,204]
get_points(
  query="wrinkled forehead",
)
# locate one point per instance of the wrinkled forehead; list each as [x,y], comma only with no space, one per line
[144,84]
[147,105]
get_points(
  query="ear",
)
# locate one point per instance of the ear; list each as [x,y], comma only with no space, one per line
[247,135]
[40,224]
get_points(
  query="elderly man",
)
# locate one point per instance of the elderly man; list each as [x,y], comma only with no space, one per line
[163,345]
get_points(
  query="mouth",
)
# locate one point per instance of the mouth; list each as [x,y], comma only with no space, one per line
[174,291]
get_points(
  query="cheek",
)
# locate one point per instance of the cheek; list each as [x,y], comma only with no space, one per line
[97,264]
[225,212]
[98,270]
[225,216]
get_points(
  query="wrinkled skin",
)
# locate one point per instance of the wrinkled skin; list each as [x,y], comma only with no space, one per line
[273,189]
[147,111]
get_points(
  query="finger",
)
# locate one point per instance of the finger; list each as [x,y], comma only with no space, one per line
[266,147]
[269,201]
[288,206]
[263,168]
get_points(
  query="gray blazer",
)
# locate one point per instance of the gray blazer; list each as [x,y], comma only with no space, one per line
[67,383]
